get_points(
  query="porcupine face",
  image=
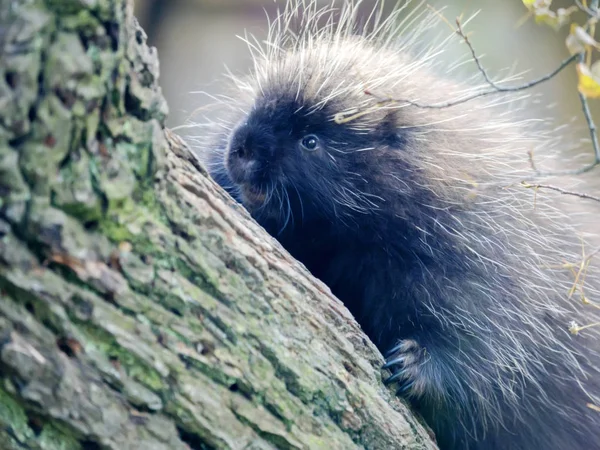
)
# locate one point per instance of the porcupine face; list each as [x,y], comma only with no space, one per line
[296,166]
[289,158]
[273,150]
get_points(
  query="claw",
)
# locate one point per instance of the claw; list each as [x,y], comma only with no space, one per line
[393,378]
[393,350]
[393,362]
[404,360]
[405,388]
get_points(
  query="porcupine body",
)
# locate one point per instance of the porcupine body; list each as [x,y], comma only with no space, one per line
[414,218]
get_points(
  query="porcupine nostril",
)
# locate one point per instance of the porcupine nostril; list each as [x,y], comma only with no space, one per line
[252,143]
[243,151]
[241,144]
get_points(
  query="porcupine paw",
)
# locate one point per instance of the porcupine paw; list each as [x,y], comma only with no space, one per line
[406,361]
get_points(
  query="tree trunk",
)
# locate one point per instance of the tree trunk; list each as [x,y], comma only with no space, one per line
[139,308]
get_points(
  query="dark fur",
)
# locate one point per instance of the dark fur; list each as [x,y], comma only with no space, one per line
[444,305]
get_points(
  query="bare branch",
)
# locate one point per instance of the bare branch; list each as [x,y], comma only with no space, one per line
[586,10]
[496,88]
[560,190]
[594,253]
[593,136]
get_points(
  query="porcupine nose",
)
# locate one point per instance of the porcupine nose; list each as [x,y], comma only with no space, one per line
[244,156]
[251,153]
[241,144]
[252,142]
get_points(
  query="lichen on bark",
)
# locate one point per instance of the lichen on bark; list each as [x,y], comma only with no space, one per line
[139,308]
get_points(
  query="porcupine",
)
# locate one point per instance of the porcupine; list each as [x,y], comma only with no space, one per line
[414,218]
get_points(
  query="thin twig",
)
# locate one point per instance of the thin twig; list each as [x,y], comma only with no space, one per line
[462,34]
[577,329]
[495,87]
[594,407]
[590,121]
[586,10]
[591,255]
[383,101]
[561,190]
[591,126]
[593,136]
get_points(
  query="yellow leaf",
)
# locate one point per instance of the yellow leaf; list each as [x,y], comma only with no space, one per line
[537,4]
[589,83]
[559,18]
[544,15]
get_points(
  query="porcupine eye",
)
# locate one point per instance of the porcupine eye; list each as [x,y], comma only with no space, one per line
[310,143]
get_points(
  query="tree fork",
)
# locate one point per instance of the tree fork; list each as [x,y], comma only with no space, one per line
[138,308]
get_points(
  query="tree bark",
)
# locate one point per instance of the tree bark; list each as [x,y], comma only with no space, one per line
[139,307]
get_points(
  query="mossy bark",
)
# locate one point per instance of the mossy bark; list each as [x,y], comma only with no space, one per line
[138,308]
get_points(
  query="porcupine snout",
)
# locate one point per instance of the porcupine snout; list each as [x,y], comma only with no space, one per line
[250,154]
